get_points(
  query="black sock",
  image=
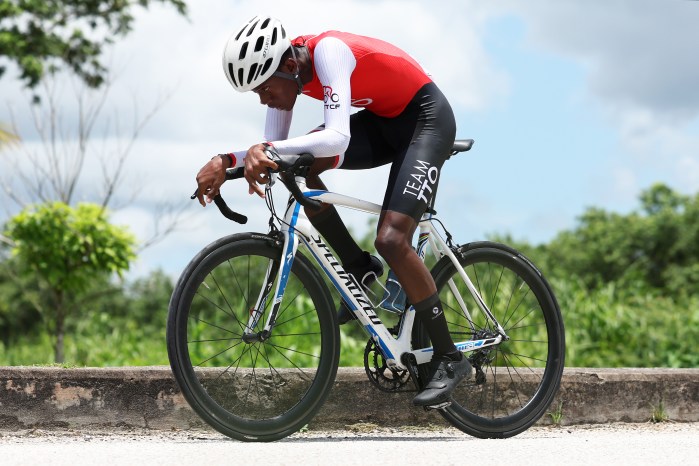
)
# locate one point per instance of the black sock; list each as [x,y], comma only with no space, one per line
[332,228]
[431,315]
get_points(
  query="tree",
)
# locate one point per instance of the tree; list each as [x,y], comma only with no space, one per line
[55,168]
[45,36]
[66,249]
[656,246]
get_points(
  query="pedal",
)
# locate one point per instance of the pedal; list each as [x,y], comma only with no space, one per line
[443,405]
[409,362]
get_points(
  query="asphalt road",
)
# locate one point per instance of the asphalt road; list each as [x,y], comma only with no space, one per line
[616,444]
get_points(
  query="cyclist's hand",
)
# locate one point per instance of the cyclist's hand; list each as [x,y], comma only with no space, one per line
[257,165]
[209,180]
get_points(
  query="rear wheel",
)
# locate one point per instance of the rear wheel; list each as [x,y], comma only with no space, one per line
[258,390]
[514,382]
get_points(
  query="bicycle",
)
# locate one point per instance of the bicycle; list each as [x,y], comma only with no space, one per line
[253,339]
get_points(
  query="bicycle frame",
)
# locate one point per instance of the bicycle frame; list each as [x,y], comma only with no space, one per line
[297,228]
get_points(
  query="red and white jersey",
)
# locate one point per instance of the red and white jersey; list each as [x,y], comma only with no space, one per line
[348,71]
[384,78]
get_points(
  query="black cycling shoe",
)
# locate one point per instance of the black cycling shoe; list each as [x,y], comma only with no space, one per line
[365,275]
[445,375]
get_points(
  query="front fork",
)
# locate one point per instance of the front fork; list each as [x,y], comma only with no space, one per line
[277,273]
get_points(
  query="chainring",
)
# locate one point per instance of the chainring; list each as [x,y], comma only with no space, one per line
[380,374]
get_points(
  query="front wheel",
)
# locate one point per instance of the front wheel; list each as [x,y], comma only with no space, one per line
[260,389]
[514,382]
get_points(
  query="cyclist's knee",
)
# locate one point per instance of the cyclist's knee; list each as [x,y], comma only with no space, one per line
[392,243]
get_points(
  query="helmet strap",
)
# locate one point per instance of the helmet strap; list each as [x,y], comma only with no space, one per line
[292,76]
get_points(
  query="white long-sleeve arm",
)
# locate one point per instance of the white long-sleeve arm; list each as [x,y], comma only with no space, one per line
[277,124]
[334,64]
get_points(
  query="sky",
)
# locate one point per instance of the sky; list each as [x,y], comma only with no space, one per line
[572,104]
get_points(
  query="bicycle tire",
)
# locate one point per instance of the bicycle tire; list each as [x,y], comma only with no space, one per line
[519,377]
[288,376]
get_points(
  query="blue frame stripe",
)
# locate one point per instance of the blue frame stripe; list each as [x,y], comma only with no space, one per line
[288,255]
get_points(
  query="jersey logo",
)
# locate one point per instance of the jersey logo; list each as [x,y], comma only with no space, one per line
[330,98]
[362,102]
[423,181]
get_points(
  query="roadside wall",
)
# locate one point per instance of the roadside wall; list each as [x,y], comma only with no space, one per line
[49,397]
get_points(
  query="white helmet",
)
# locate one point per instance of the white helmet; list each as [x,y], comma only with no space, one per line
[252,55]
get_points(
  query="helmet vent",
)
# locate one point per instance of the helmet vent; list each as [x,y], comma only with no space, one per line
[254,52]
[266,66]
[251,74]
[241,32]
[252,28]
[231,73]
[243,51]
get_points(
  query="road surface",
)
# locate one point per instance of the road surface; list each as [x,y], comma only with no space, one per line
[362,444]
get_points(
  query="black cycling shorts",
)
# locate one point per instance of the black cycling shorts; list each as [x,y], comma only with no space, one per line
[416,142]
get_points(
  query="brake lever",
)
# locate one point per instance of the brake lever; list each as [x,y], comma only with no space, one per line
[224,209]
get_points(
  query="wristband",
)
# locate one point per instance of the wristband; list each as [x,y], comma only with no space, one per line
[228,157]
[269,147]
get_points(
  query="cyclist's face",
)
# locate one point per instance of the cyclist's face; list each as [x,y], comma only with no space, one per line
[277,93]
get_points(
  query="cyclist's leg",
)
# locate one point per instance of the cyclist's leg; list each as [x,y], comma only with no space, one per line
[412,184]
[359,155]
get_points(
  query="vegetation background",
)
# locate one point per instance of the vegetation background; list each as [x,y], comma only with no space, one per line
[627,284]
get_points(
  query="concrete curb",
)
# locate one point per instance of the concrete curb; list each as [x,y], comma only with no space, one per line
[49,397]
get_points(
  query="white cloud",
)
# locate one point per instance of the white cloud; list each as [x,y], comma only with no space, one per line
[641,75]
[639,55]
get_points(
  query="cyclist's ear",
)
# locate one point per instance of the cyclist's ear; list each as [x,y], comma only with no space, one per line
[288,66]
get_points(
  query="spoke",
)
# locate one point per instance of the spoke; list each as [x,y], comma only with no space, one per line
[520,356]
[525,316]
[497,286]
[216,305]
[518,304]
[494,371]
[530,341]
[220,291]
[295,334]
[514,385]
[478,283]
[253,377]
[541,324]
[293,351]
[458,313]
[209,340]
[457,325]
[217,326]
[272,372]
[503,324]
[236,363]
[217,354]
[291,301]
[237,282]
[311,311]
[292,362]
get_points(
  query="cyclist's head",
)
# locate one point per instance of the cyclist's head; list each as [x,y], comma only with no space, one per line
[252,54]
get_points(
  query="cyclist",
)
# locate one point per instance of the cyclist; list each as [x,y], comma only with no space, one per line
[405,120]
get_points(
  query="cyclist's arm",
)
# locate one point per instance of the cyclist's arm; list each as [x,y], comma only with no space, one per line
[277,126]
[334,64]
